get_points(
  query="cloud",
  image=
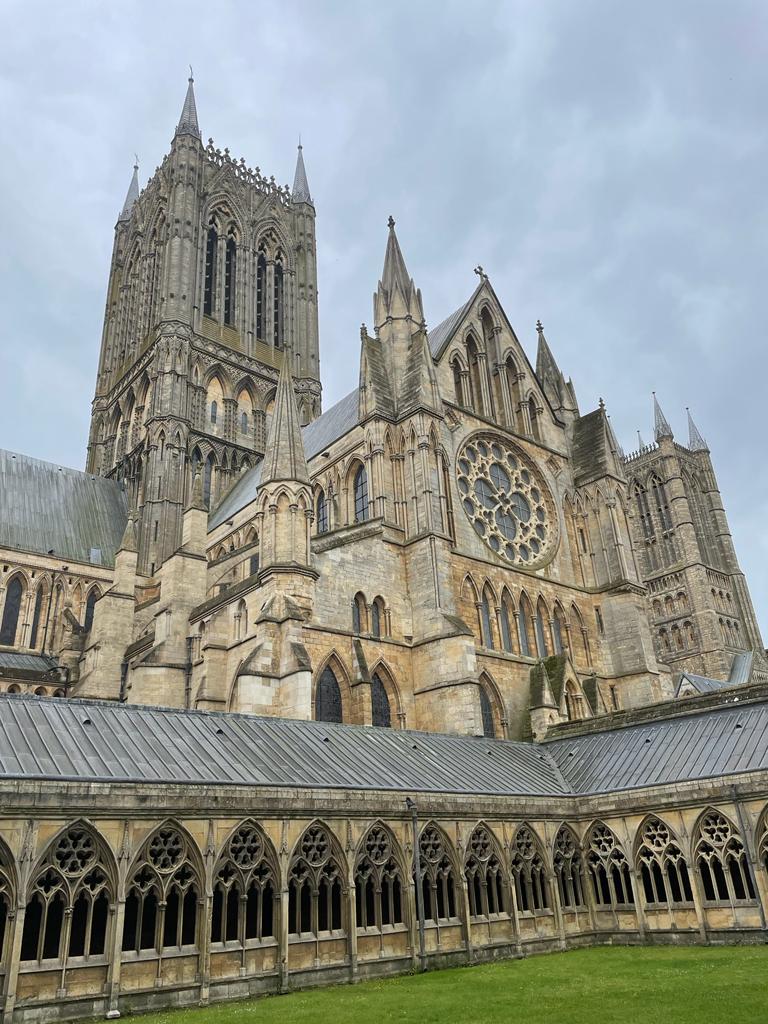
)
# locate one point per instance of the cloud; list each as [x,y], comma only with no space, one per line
[604,163]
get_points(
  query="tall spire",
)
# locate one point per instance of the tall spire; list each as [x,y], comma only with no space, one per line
[696,442]
[133,194]
[300,191]
[188,120]
[397,296]
[285,458]
[661,427]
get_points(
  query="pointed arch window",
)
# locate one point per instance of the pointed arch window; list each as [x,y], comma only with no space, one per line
[568,870]
[663,868]
[487,621]
[485,876]
[457,388]
[557,631]
[278,305]
[662,505]
[322,512]
[722,862]
[315,886]
[37,616]
[523,614]
[328,698]
[11,611]
[261,292]
[380,710]
[438,885]
[90,605]
[541,637]
[208,479]
[475,379]
[506,627]
[211,255]
[230,279]
[486,711]
[361,495]
[359,614]
[161,906]
[646,520]
[608,869]
[72,882]
[378,884]
[377,615]
[529,873]
[533,415]
[244,891]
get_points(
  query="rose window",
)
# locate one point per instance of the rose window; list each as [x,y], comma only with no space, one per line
[505,500]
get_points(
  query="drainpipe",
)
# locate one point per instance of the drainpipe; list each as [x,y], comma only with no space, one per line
[188,675]
[123,680]
[410,804]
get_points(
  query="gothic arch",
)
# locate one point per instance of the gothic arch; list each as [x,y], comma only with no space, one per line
[386,676]
[495,705]
[397,852]
[486,874]
[341,675]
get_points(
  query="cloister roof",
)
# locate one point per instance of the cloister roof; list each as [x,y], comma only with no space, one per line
[45,507]
[61,739]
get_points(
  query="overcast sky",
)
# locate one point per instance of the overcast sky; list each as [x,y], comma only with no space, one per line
[604,162]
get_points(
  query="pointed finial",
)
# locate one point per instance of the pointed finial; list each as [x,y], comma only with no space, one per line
[128,543]
[300,190]
[661,427]
[196,497]
[391,223]
[480,272]
[696,442]
[191,74]
[132,195]
[601,404]
[188,120]
[640,441]
[539,326]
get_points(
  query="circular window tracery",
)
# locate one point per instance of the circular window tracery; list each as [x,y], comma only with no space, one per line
[504,498]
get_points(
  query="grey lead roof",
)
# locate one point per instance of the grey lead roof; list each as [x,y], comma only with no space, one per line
[242,493]
[45,507]
[439,335]
[60,739]
[27,662]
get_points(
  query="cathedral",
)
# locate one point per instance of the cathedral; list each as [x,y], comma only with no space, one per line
[293,697]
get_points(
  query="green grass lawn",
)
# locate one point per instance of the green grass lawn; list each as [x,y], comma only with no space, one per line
[591,986]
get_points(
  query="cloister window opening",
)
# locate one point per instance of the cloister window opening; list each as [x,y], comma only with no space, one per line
[244,891]
[328,707]
[438,886]
[211,255]
[663,868]
[381,714]
[230,278]
[485,876]
[568,870]
[529,873]
[161,905]
[378,884]
[71,883]
[608,869]
[261,291]
[361,495]
[722,862]
[314,886]
[13,595]
[6,905]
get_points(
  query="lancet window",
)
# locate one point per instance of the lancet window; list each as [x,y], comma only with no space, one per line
[328,706]
[380,709]
[486,620]
[162,896]
[90,607]
[211,256]
[68,907]
[13,595]
[37,615]
[261,293]
[361,495]
[378,883]
[278,313]
[322,513]
[230,278]
[244,890]
[485,876]
[529,873]
[568,869]
[486,712]
[437,879]
[722,862]
[608,869]
[663,869]
[315,886]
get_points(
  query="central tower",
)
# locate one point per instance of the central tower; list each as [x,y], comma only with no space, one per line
[213,278]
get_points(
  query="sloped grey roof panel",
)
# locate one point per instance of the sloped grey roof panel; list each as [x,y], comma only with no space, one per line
[27,662]
[333,424]
[439,335]
[90,740]
[727,740]
[45,507]
[741,668]
[242,493]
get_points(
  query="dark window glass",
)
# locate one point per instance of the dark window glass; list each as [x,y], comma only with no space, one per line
[278,321]
[90,604]
[489,729]
[230,280]
[361,495]
[207,480]
[11,611]
[211,248]
[375,619]
[36,617]
[261,289]
[380,703]
[328,699]
[322,513]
